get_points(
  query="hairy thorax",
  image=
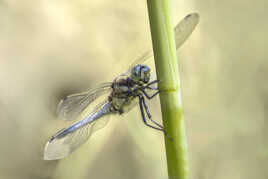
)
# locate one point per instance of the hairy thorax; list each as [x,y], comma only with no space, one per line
[123,94]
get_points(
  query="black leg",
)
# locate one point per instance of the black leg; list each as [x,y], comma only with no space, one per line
[148,86]
[151,88]
[143,116]
[152,82]
[149,115]
[141,104]
[147,95]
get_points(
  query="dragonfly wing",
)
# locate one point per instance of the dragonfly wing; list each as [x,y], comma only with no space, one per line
[71,106]
[182,31]
[69,139]
[185,28]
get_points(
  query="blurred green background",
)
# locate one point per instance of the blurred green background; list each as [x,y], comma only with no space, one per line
[49,49]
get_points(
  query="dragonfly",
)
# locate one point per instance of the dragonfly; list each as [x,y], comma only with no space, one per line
[93,107]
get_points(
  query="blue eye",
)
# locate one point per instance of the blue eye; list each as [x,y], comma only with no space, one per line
[136,70]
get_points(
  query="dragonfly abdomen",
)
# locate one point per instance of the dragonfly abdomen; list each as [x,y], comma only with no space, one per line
[88,119]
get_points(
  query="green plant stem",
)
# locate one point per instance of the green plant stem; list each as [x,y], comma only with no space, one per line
[164,47]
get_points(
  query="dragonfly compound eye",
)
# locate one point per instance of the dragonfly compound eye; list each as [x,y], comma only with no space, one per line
[141,73]
[145,74]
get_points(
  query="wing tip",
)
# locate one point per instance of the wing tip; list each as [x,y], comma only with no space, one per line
[46,151]
[193,15]
[54,151]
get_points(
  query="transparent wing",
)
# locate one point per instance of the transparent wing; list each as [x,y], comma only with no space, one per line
[182,31]
[185,28]
[71,106]
[69,139]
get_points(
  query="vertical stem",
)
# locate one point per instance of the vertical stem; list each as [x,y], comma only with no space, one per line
[168,75]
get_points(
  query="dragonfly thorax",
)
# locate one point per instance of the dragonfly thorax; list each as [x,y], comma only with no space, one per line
[140,73]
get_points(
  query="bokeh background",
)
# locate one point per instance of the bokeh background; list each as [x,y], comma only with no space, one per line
[49,49]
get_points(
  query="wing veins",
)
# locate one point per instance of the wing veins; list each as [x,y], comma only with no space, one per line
[71,106]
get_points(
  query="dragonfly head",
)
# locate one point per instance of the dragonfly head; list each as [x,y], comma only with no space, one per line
[141,73]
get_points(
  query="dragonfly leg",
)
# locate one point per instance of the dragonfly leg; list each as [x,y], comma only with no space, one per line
[152,82]
[143,115]
[147,95]
[143,105]
[149,115]
[148,86]
[151,88]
